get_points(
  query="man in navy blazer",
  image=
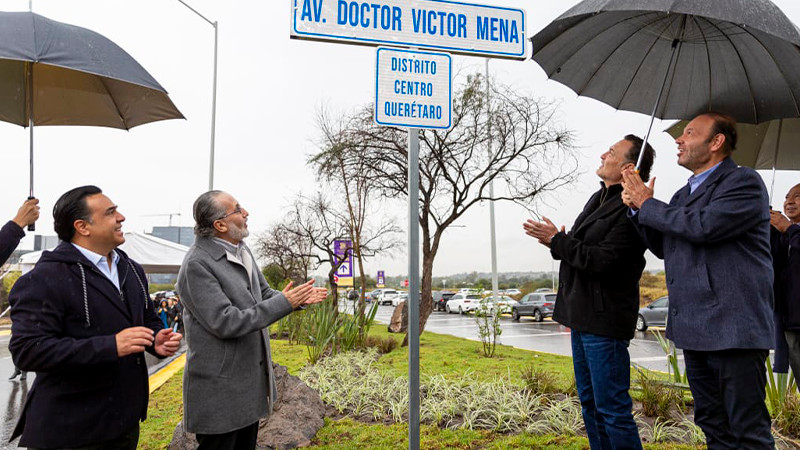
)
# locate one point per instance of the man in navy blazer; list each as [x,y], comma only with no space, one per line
[714,239]
[81,319]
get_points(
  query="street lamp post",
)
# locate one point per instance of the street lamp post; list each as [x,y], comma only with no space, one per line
[213,96]
[491,186]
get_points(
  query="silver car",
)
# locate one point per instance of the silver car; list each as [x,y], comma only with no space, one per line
[536,304]
[653,315]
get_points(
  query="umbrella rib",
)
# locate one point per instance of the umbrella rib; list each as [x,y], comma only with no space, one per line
[780,69]
[114,101]
[611,53]
[641,63]
[741,61]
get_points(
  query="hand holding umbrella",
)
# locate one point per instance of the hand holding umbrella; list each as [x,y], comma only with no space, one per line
[27,214]
[634,191]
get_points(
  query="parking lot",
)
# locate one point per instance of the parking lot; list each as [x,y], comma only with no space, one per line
[546,336]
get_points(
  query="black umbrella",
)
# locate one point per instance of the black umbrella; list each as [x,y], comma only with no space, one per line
[52,73]
[674,59]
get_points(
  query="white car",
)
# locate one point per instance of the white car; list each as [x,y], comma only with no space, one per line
[504,302]
[462,303]
[385,296]
[512,292]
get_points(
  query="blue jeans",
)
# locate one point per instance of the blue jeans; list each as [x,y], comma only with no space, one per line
[603,376]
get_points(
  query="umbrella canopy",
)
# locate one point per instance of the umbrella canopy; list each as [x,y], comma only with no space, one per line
[770,145]
[740,57]
[78,77]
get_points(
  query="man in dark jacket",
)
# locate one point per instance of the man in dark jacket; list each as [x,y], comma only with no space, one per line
[602,259]
[10,235]
[714,239]
[786,260]
[81,320]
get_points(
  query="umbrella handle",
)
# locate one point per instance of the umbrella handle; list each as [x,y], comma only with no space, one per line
[31,227]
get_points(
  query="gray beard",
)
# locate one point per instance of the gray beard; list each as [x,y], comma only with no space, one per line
[236,233]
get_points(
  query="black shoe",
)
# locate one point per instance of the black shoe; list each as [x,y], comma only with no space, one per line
[24,376]
[16,373]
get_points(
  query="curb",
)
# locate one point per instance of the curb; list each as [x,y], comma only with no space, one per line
[165,373]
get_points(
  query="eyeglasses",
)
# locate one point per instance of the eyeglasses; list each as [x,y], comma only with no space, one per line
[235,211]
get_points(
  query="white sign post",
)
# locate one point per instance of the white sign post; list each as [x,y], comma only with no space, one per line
[413,88]
[444,25]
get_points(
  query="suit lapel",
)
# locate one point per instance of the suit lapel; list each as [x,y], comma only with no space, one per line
[723,169]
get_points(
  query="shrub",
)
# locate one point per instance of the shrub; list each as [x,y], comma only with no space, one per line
[383,345]
[788,417]
[488,321]
[657,397]
[539,381]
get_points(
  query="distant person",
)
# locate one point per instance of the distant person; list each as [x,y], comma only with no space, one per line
[10,235]
[228,383]
[163,313]
[786,260]
[81,319]
[602,259]
[714,239]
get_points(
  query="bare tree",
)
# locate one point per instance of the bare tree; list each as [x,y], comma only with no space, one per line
[287,250]
[341,163]
[532,155]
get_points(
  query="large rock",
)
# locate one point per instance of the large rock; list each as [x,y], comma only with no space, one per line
[399,321]
[296,417]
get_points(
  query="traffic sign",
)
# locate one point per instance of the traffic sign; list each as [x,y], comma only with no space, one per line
[451,26]
[336,278]
[413,88]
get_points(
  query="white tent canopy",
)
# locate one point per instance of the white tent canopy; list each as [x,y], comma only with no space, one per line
[156,255]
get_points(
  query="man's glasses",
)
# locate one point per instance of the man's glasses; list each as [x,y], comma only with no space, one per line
[238,210]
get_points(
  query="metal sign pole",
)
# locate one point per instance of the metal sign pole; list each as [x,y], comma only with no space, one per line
[413,288]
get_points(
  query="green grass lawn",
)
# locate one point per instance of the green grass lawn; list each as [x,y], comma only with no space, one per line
[439,354]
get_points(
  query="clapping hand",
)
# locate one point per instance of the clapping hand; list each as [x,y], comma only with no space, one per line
[543,231]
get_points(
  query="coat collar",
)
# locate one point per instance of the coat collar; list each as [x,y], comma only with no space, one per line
[604,202]
[724,168]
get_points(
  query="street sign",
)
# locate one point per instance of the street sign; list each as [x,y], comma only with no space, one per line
[336,279]
[405,283]
[380,281]
[413,88]
[343,250]
[456,27]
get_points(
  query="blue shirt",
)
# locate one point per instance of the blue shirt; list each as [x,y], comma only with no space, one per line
[101,262]
[696,180]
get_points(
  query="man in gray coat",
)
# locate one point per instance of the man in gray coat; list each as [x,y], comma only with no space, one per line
[714,239]
[228,383]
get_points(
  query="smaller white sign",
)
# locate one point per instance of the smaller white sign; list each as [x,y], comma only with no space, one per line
[413,88]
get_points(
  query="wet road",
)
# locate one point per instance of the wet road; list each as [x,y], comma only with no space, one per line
[546,336]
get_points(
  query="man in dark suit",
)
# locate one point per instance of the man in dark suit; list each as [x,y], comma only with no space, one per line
[786,262]
[714,239]
[602,259]
[82,319]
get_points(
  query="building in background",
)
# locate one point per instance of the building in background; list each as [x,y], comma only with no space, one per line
[178,235]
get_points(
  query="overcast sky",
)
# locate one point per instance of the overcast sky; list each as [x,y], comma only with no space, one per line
[269,90]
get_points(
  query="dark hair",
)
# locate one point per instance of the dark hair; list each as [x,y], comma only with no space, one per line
[726,126]
[71,206]
[206,210]
[647,158]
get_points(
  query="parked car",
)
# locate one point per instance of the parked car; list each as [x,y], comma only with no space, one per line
[440,298]
[401,297]
[371,296]
[536,304]
[653,315]
[543,290]
[503,302]
[512,292]
[384,296]
[462,303]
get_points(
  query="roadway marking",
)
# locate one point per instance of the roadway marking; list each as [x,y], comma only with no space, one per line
[562,333]
[5,332]
[159,378]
